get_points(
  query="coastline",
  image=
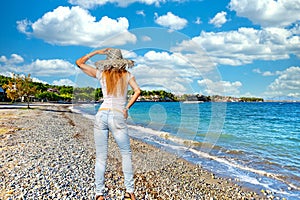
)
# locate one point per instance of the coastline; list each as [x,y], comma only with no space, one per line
[49,151]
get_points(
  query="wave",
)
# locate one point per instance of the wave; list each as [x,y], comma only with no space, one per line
[79,111]
[202,150]
[278,177]
[185,145]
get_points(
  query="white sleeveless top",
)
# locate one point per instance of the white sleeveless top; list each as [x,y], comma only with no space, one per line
[110,101]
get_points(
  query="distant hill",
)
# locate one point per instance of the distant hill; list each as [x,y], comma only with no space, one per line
[284,98]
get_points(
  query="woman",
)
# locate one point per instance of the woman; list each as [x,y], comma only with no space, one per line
[114,78]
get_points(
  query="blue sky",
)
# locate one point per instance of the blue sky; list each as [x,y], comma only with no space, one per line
[225,47]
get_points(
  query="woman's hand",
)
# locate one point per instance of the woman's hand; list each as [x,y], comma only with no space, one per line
[125,113]
[102,51]
[98,51]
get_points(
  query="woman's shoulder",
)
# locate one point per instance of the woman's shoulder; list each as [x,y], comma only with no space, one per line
[129,75]
[99,74]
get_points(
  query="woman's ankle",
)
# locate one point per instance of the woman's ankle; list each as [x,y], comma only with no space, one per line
[130,195]
[99,197]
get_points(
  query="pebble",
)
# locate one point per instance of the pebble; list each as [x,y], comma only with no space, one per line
[51,156]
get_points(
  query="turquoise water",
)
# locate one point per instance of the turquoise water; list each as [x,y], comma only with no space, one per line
[256,143]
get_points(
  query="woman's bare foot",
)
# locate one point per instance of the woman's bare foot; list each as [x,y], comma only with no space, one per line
[100,197]
[128,196]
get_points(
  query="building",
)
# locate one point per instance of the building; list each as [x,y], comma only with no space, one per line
[2,94]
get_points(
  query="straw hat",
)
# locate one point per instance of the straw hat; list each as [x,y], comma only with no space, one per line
[114,59]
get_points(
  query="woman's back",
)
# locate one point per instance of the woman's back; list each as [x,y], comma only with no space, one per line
[114,86]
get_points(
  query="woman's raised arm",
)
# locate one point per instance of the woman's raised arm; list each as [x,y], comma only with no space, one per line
[89,70]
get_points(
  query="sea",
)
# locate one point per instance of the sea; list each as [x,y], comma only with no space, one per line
[255,144]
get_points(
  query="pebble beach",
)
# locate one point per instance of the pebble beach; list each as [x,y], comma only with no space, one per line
[47,152]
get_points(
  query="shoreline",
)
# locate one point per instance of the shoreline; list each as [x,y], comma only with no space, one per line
[45,143]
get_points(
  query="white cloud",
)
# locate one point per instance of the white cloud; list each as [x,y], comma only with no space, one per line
[287,84]
[247,94]
[257,71]
[3,59]
[267,73]
[54,67]
[6,73]
[34,79]
[121,3]
[171,21]
[198,20]
[268,13]
[75,26]
[128,54]
[149,76]
[24,25]
[219,19]
[146,38]
[245,45]
[11,75]
[66,82]
[220,87]
[186,64]
[160,60]
[174,72]
[141,12]
[14,59]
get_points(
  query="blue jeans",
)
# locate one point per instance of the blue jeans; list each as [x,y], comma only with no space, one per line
[114,121]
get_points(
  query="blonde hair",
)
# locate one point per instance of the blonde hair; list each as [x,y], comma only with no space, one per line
[116,81]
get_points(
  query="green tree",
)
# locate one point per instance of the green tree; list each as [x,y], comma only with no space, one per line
[11,90]
[41,86]
[66,90]
[98,94]
[66,97]
[27,88]
[4,80]
[251,99]
[48,96]
[20,87]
